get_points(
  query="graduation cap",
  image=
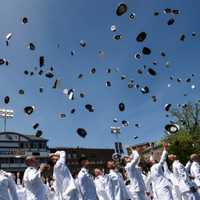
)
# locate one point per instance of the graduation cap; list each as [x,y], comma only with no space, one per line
[136,137]
[121,107]
[62,115]
[89,108]
[21,92]
[182,38]
[146,51]
[152,72]
[49,74]
[8,36]
[172,128]
[81,132]
[82,95]
[121,9]
[41,90]
[29,110]
[115,120]
[72,111]
[6,99]
[194,34]
[38,133]
[82,43]
[167,107]
[93,70]
[154,98]
[137,56]
[69,93]
[130,84]
[41,61]
[167,11]
[115,130]
[117,37]
[141,37]
[163,54]
[2,61]
[113,28]
[132,16]
[108,83]
[72,53]
[137,125]
[171,21]
[31,46]
[108,71]
[24,20]
[56,84]
[35,126]
[156,13]
[80,76]
[144,90]
[176,11]
[40,72]
[125,123]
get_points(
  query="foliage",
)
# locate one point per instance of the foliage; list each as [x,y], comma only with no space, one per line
[187,140]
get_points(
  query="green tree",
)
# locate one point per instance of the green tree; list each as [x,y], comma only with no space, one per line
[187,140]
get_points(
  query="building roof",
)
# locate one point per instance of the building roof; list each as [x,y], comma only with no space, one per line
[27,136]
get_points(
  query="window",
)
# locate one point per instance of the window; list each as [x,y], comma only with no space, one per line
[74,156]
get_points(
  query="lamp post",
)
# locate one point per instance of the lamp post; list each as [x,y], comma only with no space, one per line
[6,114]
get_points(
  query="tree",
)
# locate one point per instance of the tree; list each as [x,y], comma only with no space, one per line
[187,140]
[188,117]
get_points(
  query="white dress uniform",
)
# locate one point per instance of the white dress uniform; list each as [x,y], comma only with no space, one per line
[65,187]
[161,185]
[195,173]
[86,185]
[35,189]
[115,187]
[100,184]
[175,184]
[184,181]
[21,192]
[7,187]
[137,186]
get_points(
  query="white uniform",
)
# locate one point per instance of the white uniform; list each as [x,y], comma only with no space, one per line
[195,172]
[184,181]
[161,185]
[100,184]
[115,187]
[86,185]
[35,189]
[175,184]
[7,187]
[64,183]
[137,186]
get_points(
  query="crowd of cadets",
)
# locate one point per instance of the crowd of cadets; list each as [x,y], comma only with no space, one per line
[163,181]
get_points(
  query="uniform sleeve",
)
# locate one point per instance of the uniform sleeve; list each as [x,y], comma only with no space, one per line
[62,159]
[188,166]
[135,158]
[163,158]
[109,188]
[33,175]
[12,189]
[196,171]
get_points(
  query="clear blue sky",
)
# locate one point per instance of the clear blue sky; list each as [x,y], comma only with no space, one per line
[66,22]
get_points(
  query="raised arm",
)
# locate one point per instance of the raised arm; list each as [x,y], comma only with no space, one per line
[135,158]
[12,188]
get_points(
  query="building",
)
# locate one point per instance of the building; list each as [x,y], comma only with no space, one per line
[14,147]
[97,157]
[148,149]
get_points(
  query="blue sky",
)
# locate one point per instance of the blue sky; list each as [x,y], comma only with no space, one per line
[66,22]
